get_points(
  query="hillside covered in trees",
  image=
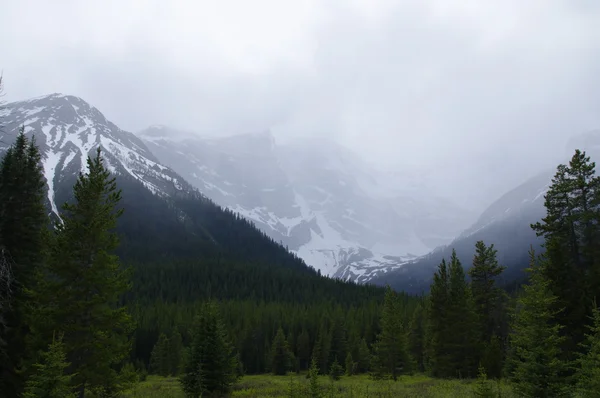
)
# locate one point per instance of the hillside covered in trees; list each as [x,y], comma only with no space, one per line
[126,283]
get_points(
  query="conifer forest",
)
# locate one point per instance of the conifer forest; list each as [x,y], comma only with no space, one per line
[116,294]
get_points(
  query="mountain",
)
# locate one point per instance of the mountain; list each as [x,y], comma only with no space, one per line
[165,218]
[506,223]
[341,215]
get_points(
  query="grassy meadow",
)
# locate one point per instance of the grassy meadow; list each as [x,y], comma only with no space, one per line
[354,386]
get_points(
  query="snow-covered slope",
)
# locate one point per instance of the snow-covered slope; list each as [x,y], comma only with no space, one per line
[67,130]
[339,214]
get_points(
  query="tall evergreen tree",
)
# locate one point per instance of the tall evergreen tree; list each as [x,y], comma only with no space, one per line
[391,348]
[211,366]
[159,359]
[175,351]
[23,227]
[84,282]
[417,336]
[462,338]
[538,370]
[49,378]
[303,349]
[437,348]
[281,356]
[572,243]
[489,300]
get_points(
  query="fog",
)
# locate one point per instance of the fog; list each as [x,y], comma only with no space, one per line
[479,94]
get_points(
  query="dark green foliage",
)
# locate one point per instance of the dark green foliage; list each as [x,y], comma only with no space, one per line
[391,354]
[281,357]
[303,349]
[572,243]
[159,359]
[336,371]
[588,374]
[49,378]
[314,390]
[483,387]
[364,357]
[175,352]
[350,365]
[489,305]
[23,224]
[83,281]
[211,365]
[451,342]
[417,336]
[462,339]
[537,366]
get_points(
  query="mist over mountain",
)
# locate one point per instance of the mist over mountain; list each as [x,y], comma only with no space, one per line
[340,214]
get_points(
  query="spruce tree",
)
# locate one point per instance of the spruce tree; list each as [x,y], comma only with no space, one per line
[489,301]
[350,365]
[159,358]
[336,371]
[588,373]
[84,282]
[175,351]
[280,354]
[49,378]
[535,339]
[391,348]
[416,337]
[313,375]
[364,357]
[572,243]
[462,338]
[303,349]
[438,350]
[211,366]
[23,225]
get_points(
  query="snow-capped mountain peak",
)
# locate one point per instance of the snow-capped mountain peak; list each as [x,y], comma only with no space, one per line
[67,129]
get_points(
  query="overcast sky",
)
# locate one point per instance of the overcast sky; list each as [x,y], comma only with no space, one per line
[478,90]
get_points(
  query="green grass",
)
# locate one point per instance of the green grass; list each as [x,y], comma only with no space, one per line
[355,386]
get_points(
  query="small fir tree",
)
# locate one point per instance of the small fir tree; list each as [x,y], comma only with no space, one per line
[336,371]
[159,358]
[211,366]
[538,370]
[49,378]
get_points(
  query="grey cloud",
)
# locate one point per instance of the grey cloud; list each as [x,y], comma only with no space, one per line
[483,94]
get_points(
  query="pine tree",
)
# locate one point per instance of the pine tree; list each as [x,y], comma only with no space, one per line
[483,388]
[280,354]
[572,243]
[416,337]
[438,351]
[391,348]
[211,366]
[488,301]
[336,371]
[364,357]
[303,349]
[462,338]
[159,358]
[49,378]
[313,374]
[538,368]
[23,224]
[175,351]
[588,373]
[84,282]
[350,365]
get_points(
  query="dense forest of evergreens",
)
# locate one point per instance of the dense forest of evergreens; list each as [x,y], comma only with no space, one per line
[126,283]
